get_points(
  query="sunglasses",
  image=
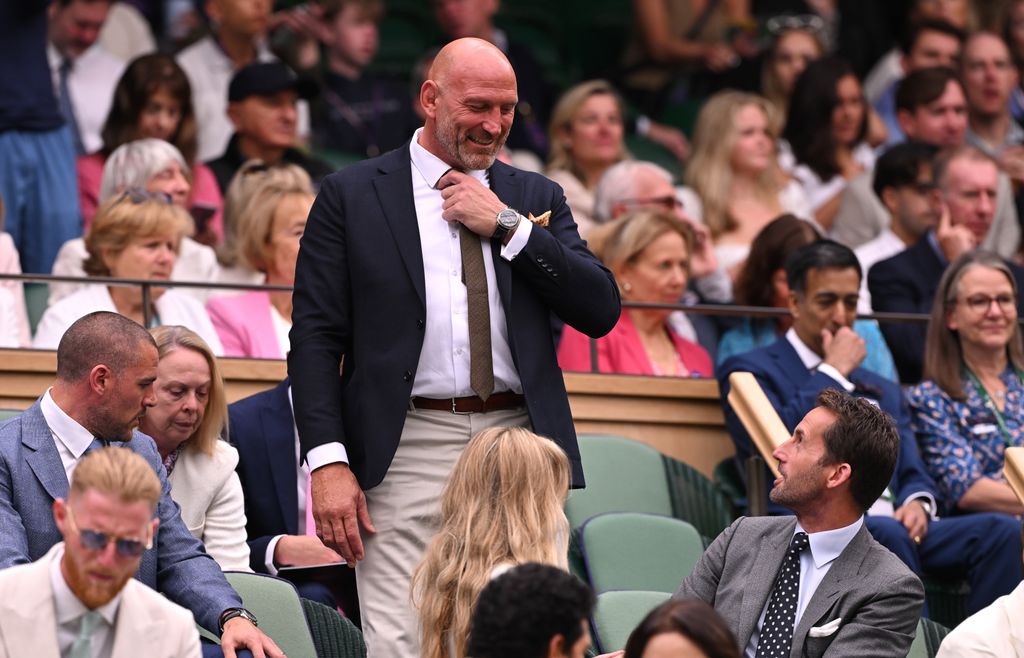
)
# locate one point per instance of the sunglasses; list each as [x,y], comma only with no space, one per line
[138,195]
[97,541]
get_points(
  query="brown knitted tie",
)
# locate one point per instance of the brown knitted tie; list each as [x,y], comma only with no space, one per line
[474,277]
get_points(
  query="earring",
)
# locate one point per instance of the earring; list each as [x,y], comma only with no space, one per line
[627,286]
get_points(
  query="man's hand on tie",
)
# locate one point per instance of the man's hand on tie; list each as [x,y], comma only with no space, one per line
[469,202]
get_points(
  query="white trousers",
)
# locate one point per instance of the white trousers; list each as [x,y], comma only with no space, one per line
[406,508]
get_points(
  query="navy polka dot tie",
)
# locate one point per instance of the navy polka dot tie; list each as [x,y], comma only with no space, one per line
[776,637]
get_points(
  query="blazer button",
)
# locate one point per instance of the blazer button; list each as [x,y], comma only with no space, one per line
[420,324]
[407,376]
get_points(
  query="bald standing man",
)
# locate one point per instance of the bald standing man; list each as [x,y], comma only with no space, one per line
[424,282]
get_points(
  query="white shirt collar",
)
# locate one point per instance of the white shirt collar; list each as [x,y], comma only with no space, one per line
[807,356]
[67,430]
[827,545]
[431,167]
[66,605]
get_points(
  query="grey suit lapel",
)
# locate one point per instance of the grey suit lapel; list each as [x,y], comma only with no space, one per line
[394,191]
[762,577]
[846,566]
[41,455]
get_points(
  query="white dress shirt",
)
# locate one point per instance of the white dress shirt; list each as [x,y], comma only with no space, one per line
[69,610]
[91,82]
[815,562]
[71,439]
[443,369]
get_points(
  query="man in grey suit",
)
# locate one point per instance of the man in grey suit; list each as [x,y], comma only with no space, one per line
[817,584]
[106,366]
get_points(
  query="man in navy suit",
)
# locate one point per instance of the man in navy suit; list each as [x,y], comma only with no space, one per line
[821,351]
[968,181]
[274,483]
[106,366]
[430,352]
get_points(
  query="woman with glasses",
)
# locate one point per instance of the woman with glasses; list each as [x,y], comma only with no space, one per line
[266,216]
[135,235]
[586,133]
[153,99]
[649,253]
[970,406]
[187,423]
[734,184]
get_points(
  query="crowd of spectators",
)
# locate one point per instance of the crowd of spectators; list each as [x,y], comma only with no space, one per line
[799,167]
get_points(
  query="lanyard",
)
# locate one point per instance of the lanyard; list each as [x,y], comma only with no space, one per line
[1000,419]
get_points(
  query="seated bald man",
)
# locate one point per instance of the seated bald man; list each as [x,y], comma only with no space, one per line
[423,270]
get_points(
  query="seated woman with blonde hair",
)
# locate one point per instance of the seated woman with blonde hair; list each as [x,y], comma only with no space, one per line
[266,217]
[648,251]
[502,506]
[187,423]
[135,235]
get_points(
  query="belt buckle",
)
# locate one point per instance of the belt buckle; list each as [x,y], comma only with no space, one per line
[456,411]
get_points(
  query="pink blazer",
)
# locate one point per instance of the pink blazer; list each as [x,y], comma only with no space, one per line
[622,353]
[205,191]
[244,325]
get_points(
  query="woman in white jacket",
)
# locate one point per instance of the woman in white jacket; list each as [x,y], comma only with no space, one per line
[135,235]
[188,422]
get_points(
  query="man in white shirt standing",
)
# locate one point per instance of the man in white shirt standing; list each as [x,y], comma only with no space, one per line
[80,599]
[84,74]
[904,183]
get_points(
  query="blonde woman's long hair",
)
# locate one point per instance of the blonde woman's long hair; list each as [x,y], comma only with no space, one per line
[503,504]
[562,115]
[709,172]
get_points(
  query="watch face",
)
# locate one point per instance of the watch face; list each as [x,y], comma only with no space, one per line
[508,218]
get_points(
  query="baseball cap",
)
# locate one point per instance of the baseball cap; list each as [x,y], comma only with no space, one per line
[266,79]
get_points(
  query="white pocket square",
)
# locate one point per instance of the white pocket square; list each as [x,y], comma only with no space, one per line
[825,630]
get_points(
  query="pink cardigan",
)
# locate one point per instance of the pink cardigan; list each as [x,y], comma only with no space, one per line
[622,353]
[244,325]
[205,191]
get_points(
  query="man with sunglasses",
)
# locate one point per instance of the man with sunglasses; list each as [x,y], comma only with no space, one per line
[80,599]
[106,366]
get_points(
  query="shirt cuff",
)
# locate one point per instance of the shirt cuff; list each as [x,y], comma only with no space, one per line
[518,239]
[826,369]
[328,453]
[933,512]
[269,557]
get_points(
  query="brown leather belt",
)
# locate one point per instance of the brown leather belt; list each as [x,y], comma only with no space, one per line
[471,404]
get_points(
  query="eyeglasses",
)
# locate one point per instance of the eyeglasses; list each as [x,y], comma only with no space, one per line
[669,202]
[982,303]
[97,541]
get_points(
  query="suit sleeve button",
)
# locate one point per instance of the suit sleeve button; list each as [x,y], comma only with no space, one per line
[420,324]
[407,376]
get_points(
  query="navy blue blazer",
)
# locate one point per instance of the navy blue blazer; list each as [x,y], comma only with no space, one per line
[359,294]
[263,431]
[906,283]
[792,389]
[32,477]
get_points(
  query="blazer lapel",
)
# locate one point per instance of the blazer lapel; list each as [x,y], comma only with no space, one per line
[846,566]
[762,577]
[28,609]
[507,187]
[135,627]
[789,361]
[394,191]
[41,454]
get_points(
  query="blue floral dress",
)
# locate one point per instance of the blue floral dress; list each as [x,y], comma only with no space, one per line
[961,441]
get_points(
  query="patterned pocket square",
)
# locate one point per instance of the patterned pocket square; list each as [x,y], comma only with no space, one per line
[542,220]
